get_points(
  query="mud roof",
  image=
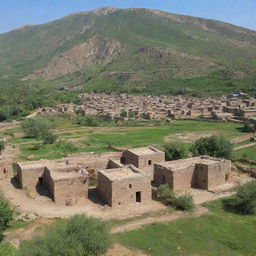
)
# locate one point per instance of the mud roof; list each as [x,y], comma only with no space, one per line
[145,151]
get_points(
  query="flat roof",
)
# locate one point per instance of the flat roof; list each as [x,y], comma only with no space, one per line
[122,173]
[57,176]
[145,151]
[183,163]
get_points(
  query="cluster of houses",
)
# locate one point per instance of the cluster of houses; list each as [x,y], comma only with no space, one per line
[123,178]
[155,107]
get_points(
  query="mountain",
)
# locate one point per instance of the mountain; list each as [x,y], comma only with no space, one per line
[130,50]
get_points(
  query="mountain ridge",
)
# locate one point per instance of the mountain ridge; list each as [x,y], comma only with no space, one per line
[159,49]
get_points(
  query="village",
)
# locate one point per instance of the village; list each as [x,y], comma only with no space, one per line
[114,107]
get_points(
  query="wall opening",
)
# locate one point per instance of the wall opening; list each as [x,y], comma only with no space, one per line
[149,162]
[138,197]
[226,177]
[40,181]
[122,160]
[130,185]
[5,171]
[163,179]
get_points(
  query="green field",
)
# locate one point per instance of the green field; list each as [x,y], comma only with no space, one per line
[248,153]
[218,233]
[110,136]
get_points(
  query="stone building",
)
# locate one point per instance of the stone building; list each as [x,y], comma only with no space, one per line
[143,158]
[120,187]
[200,172]
[65,182]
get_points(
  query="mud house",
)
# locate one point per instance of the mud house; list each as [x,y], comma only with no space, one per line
[120,187]
[65,182]
[200,172]
[143,158]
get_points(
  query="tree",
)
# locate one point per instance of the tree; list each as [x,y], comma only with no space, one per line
[244,202]
[215,146]
[80,235]
[49,138]
[6,214]
[175,151]
[35,128]
[2,146]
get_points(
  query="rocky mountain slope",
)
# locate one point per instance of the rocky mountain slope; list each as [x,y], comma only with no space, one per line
[131,50]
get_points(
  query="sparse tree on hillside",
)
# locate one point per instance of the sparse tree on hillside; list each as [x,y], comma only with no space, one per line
[175,151]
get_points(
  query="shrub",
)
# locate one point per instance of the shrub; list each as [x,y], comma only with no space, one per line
[49,138]
[35,128]
[175,151]
[6,214]
[66,147]
[87,120]
[185,203]
[2,146]
[35,146]
[168,197]
[215,146]
[80,235]
[244,202]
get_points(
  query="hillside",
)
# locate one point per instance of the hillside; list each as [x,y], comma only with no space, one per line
[129,50]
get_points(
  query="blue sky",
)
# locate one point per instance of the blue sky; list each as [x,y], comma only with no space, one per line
[16,13]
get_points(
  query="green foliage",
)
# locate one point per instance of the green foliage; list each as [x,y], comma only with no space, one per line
[215,146]
[49,138]
[248,127]
[244,202]
[175,151]
[66,147]
[80,235]
[168,197]
[87,120]
[7,250]
[123,114]
[35,128]
[6,214]
[2,145]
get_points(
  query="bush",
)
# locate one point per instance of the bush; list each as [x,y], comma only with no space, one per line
[35,128]
[80,236]
[6,214]
[87,120]
[168,197]
[175,151]
[49,138]
[215,146]
[2,146]
[185,203]
[66,147]
[244,202]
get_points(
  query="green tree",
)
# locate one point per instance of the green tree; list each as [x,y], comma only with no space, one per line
[6,214]
[215,146]
[175,151]
[49,138]
[244,202]
[80,235]
[35,128]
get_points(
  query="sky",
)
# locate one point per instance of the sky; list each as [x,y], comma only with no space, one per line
[16,13]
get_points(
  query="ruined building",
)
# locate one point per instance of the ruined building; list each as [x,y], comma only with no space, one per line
[199,172]
[66,182]
[124,186]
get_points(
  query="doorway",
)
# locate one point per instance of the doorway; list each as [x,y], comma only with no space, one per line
[138,197]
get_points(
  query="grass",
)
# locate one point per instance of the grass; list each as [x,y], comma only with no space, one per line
[248,153]
[122,135]
[218,233]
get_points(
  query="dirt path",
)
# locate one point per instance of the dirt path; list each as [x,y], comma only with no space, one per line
[245,146]
[200,210]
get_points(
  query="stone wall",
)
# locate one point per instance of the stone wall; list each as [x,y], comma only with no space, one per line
[6,169]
